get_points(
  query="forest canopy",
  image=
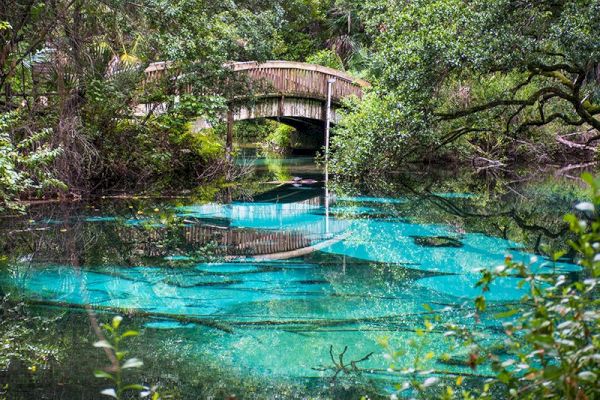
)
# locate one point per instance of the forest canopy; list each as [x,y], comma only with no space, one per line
[480,78]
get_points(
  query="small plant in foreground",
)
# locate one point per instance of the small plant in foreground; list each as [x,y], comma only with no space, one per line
[112,346]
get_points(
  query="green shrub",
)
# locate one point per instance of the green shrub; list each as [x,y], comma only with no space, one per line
[206,143]
[252,131]
[326,58]
[281,138]
[111,340]
[162,151]
[25,160]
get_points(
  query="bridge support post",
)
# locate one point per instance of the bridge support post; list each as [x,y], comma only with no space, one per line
[327,123]
[229,145]
[280,107]
[229,139]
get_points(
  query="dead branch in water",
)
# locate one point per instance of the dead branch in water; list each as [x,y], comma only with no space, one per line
[340,366]
[574,145]
[570,167]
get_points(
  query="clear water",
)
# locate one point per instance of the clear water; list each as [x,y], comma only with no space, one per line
[262,290]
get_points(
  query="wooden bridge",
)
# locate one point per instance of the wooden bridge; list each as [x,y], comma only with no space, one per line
[294,93]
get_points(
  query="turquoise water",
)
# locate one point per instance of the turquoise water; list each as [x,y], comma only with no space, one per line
[266,288]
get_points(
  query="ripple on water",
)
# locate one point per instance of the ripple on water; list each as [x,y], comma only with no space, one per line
[226,267]
[393,242]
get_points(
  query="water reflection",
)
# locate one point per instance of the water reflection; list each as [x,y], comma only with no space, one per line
[276,287]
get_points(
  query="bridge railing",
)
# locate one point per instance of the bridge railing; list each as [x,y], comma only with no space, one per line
[302,79]
[286,78]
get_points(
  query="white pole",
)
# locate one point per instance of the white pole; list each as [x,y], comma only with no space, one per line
[330,82]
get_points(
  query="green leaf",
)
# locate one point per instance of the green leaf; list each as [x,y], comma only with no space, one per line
[130,333]
[132,363]
[480,303]
[558,254]
[504,376]
[103,344]
[588,178]
[116,321]
[506,314]
[551,372]
[103,374]
[134,387]
[541,339]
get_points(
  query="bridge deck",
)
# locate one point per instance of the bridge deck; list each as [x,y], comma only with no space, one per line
[292,92]
[296,79]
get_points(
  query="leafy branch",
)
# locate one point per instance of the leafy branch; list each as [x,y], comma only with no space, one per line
[114,372]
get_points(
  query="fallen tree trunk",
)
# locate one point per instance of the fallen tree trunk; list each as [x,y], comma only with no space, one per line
[134,312]
[574,145]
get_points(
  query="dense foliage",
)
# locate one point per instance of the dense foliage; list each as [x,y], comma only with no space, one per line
[75,71]
[24,160]
[493,80]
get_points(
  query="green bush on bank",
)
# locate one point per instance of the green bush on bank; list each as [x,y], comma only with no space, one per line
[162,150]
[280,139]
[25,160]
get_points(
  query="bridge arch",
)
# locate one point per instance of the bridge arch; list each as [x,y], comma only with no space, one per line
[294,93]
[298,79]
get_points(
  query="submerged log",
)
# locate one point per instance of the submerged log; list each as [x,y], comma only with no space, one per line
[299,252]
[134,312]
[437,241]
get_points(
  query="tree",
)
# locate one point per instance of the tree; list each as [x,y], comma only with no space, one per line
[76,68]
[25,157]
[24,28]
[480,71]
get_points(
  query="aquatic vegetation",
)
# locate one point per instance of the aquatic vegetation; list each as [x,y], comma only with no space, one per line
[227,289]
[111,342]
[340,366]
[22,341]
[437,241]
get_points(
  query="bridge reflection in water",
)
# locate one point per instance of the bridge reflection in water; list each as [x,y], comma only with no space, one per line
[264,228]
[279,224]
